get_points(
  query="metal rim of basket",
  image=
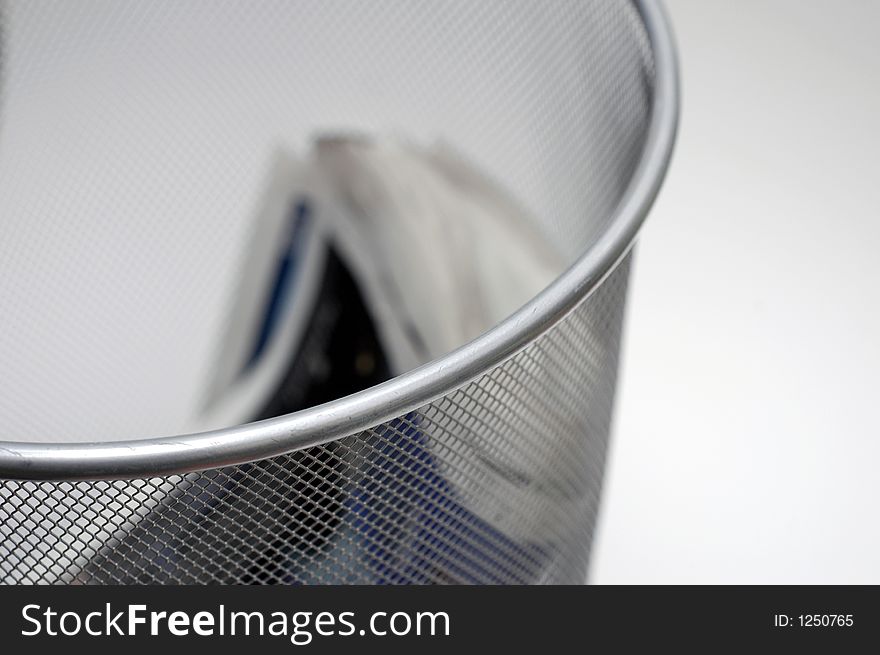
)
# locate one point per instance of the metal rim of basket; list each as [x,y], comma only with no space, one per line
[362,410]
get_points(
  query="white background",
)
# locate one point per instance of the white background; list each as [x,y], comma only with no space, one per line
[747,440]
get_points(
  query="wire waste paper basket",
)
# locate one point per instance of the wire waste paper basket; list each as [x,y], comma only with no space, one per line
[319,291]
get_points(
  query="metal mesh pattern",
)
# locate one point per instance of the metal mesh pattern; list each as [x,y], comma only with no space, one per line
[135,132]
[497,481]
[420,499]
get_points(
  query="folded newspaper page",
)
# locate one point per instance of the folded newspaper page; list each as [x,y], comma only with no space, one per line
[368,257]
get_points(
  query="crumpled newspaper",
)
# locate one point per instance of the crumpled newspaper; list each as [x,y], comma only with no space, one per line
[444,254]
[440,254]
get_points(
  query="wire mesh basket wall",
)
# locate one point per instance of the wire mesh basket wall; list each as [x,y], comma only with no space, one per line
[483,466]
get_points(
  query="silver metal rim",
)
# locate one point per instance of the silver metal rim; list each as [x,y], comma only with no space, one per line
[406,392]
